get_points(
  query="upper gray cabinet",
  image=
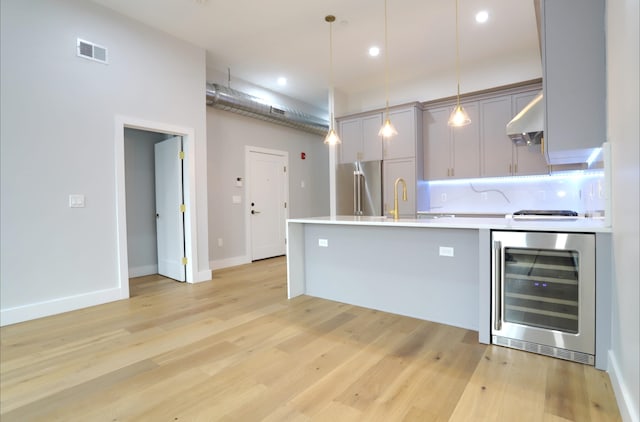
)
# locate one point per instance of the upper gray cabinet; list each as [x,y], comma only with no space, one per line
[360,140]
[500,156]
[573,60]
[450,152]
[482,148]
[407,143]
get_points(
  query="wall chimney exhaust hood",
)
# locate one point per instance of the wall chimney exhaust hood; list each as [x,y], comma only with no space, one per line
[528,125]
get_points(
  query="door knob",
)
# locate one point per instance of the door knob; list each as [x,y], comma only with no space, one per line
[255,212]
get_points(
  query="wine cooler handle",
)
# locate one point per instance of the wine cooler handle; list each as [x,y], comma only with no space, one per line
[497,283]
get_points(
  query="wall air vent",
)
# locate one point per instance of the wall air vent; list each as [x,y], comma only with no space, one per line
[91,51]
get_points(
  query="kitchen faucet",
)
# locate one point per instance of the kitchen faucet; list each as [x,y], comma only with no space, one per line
[395,211]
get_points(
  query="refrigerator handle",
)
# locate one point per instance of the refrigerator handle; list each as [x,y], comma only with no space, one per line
[360,180]
[355,193]
[497,285]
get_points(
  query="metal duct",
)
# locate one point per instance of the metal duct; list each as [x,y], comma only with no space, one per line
[229,99]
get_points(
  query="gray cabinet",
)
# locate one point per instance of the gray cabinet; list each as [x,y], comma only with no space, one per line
[482,148]
[573,65]
[407,122]
[450,152]
[360,140]
[500,156]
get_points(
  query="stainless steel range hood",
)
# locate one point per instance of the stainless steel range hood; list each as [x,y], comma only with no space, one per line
[528,125]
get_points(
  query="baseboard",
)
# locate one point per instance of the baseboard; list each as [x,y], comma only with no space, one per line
[143,270]
[623,396]
[58,306]
[229,262]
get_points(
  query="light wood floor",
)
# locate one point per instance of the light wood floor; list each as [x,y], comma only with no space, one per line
[236,349]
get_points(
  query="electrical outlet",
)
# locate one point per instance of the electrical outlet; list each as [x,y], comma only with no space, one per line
[483,195]
[323,243]
[443,197]
[76,200]
[446,251]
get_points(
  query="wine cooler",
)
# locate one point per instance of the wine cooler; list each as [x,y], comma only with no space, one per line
[543,293]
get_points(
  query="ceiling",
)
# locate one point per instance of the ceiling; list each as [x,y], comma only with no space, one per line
[259,41]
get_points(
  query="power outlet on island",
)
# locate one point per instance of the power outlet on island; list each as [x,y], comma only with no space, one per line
[324,243]
[446,251]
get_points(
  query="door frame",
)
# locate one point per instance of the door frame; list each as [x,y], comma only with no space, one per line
[247,186]
[190,237]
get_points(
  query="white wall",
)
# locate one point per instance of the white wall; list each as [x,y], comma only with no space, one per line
[624,133]
[58,115]
[228,133]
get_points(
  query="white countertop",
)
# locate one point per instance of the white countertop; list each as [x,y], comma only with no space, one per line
[588,225]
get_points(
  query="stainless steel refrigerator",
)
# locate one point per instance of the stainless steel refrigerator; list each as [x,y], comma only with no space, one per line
[359,188]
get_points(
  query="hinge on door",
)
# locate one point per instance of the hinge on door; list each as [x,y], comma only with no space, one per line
[285,205]
[181,155]
[184,260]
[285,169]
[183,208]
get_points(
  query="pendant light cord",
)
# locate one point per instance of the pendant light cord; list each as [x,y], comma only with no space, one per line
[386,61]
[457,55]
[331,19]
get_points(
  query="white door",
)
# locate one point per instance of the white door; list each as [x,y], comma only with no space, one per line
[169,208]
[267,197]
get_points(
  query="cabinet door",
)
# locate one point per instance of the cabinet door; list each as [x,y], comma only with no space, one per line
[574,78]
[403,145]
[371,142]
[351,137]
[392,170]
[527,159]
[466,145]
[437,142]
[497,148]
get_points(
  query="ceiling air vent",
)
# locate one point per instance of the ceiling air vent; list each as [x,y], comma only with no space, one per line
[92,51]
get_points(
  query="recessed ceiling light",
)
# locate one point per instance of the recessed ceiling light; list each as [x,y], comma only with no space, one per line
[374,51]
[282,81]
[482,16]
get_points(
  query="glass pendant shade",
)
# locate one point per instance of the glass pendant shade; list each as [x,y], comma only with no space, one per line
[387,130]
[459,117]
[332,138]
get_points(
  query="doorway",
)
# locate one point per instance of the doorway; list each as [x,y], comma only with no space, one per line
[154,194]
[126,231]
[267,184]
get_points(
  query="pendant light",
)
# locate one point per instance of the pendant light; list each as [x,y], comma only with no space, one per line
[459,116]
[387,130]
[332,137]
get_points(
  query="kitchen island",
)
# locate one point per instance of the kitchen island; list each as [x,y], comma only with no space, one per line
[432,269]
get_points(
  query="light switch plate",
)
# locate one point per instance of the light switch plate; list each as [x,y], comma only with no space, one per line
[76,200]
[236,199]
[323,243]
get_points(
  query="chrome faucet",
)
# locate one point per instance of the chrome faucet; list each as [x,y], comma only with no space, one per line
[395,212]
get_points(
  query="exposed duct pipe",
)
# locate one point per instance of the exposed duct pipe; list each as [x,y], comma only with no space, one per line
[228,99]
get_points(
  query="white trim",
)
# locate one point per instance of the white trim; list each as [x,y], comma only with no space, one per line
[247,203]
[229,262]
[621,391]
[190,232]
[58,306]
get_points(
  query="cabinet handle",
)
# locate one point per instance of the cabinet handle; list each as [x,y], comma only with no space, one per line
[509,168]
[515,168]
[542,145]
[453,172]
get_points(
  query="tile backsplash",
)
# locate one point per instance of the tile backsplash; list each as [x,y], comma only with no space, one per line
[581,191]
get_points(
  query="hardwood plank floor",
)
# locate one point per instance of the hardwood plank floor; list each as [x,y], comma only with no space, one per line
[236,349]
